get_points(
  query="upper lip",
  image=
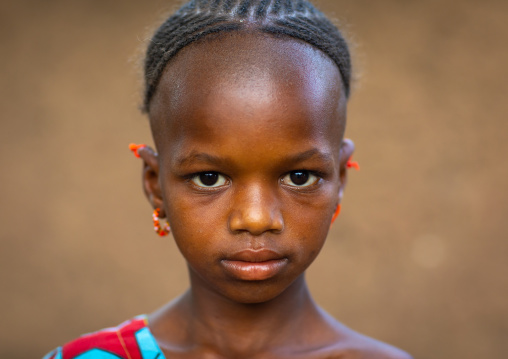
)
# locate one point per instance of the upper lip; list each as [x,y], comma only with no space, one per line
[255,255]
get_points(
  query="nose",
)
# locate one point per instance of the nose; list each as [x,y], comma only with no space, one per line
[256,210]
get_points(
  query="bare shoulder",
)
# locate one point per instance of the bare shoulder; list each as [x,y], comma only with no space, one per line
[359,346]
[349,344]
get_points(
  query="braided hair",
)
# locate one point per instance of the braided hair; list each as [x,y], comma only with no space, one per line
[198,18]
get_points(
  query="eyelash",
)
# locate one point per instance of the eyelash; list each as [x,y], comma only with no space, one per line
[309,176]
[316,177]
[196,176]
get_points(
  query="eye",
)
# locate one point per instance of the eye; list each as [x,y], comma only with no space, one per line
[300,179]
[209,179]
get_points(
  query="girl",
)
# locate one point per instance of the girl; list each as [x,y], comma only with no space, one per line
[247,107]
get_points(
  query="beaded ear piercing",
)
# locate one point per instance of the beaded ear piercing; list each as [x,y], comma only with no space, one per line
[135,148]
[162,229]
[352,164]
[160,226]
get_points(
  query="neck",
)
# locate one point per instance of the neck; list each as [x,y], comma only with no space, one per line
[238,330]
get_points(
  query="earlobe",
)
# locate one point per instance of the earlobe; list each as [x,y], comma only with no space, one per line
[151,185]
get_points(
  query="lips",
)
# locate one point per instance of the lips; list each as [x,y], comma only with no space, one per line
[254,265]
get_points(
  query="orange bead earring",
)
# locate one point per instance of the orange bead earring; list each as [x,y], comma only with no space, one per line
[161,229]
[335,214]
[135,148]
[352,164]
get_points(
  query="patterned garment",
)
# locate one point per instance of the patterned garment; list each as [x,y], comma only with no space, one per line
[130,340]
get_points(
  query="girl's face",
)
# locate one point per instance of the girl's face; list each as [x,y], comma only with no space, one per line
[251,163]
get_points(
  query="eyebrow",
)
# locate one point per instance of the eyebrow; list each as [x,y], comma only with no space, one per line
[200,157]
[303,156]
[296,158]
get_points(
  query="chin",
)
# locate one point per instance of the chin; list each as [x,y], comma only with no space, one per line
[255,292]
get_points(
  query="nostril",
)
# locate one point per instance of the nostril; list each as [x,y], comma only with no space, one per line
[278,223]
[256,222]
[256,209]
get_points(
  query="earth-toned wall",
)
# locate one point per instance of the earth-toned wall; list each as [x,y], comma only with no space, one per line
[419,256]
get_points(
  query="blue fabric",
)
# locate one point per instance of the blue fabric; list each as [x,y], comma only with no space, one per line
[147,344]
[58,354]
[97,354]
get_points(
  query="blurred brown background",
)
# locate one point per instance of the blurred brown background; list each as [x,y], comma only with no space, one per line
[419,256]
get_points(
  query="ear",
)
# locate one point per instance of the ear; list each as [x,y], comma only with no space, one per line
[346,151]
[151,185]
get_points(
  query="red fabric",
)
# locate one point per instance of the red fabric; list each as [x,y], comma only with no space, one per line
[119,341]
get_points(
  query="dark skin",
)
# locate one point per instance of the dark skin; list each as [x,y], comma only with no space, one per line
[251,166]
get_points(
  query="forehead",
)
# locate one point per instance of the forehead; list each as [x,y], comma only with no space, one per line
[252,81]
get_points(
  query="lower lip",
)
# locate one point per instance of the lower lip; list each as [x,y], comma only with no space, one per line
[253,271]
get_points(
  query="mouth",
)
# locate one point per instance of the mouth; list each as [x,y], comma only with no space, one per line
[254,265]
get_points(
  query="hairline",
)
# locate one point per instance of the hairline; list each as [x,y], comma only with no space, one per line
[246,29]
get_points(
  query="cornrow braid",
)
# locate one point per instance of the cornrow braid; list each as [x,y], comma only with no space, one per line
[198,18]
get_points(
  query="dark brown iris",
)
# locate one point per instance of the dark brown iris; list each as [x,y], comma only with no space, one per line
[299,178]
[209,178]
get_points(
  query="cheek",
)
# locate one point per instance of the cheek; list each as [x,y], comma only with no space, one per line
[185,211]
[311,239]
[308,225]
[194,223]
